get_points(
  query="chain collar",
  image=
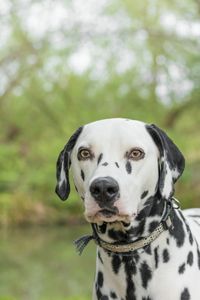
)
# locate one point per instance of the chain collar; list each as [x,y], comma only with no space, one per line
[128,248]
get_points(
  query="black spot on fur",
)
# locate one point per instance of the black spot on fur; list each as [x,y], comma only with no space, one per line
[146,274]
[99,158]
[157,207]
[190,258]
[181,269]
[167,240]
[129,264]
[98,292]
[100,258]
[185,295]
[104,298]
[100,279]
[116,263]
[113,295]
[118,235]
[178,231]
[198,257]
[105,164]
[117,164]
[156,257]
[82,175]
[191,240]
[136,257]
[125,224]
[153,225]
[165,256]
[152,207]
[130,287]
[102,228]
[144,194]
[147,249]
[128,167]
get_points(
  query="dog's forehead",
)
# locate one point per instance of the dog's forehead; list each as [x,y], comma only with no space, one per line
[115,132]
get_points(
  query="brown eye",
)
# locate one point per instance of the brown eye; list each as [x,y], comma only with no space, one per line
[136,154]
[84,154]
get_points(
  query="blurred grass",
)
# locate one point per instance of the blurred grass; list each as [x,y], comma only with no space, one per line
[40,263]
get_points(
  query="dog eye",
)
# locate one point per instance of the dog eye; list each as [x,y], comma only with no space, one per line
[136,154]
[84,154]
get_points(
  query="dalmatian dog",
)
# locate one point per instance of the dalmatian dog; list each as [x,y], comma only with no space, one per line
[124,172]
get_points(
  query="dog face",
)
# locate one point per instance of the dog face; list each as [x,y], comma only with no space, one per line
[116,165]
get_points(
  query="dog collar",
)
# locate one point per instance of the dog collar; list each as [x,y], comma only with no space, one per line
[128,248]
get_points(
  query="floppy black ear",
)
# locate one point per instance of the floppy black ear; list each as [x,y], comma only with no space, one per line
[62,166]
[171,164]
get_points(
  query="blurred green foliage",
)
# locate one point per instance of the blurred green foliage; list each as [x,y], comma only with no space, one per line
[137,60]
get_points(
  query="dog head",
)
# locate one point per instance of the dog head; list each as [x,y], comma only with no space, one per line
[116,165]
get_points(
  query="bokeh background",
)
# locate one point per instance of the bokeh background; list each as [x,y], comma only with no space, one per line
[65,63]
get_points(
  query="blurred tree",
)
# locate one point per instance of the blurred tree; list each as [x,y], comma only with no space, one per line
[63,64]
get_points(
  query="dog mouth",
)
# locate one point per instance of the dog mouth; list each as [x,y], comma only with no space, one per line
[108,212]
[109,216]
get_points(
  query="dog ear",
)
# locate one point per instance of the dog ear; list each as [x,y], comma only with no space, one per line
[171,163]
[63,165]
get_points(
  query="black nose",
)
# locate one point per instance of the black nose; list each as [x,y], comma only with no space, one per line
[104,189]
